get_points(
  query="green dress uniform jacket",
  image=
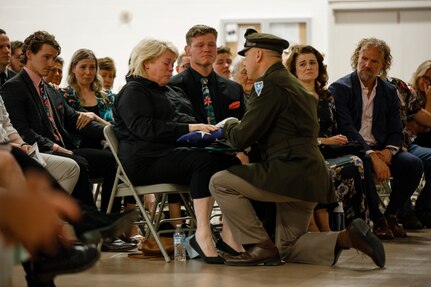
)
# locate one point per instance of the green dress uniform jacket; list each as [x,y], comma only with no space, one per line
[281,119]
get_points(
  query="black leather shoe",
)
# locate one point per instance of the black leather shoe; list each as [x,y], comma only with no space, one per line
[365,241]
[256,255]
[210,260]
[107,226]
[425,218]
[410,221]
[68,260]
[225,248]
[31,282]
[117,245]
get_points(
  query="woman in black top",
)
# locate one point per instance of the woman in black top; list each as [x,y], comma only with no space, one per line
[150,117]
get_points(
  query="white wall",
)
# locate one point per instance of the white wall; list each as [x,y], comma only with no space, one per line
[95,24]
[404,25]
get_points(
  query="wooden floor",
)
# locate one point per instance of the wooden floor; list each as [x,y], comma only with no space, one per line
[408,263]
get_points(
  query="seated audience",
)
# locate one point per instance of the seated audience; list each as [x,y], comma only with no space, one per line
[368,111]
[31,104]
[183,62]
[5,55]
[55,75]
[239,75]
[16,53]
[417,123]
[223,62]
[107,71]
[415,119]
[421,84]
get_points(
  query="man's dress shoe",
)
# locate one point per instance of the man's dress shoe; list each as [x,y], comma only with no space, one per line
[105,226]
[365,241]
[256,255]
[210,260]
[67,260]
[117,245]
[382,230]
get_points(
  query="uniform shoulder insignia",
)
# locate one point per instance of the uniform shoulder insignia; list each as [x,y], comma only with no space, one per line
[258,86]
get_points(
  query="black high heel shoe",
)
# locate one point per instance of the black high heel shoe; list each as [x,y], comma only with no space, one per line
[209,260]
[224,247]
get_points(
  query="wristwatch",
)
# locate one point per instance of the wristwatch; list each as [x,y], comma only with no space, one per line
[319,141]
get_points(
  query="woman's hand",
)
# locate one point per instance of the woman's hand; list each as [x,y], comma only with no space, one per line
[84,119]
[338,139]
[202,127]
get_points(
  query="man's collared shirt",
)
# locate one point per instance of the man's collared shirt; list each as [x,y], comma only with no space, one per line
[367,114]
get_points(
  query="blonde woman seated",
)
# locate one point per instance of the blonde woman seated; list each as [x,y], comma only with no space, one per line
[148,124]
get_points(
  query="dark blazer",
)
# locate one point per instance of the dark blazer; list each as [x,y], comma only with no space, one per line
[387,126]
[9,74]
[226,93]
[28,115]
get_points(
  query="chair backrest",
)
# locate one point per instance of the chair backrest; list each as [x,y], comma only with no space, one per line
[112,140]
[110,137]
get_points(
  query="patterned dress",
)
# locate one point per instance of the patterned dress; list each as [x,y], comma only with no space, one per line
[347,171]
[411,103]
[103,108]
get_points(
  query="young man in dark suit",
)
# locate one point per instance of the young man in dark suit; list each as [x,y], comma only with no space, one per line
[368,111]
[226,97]
[223,98]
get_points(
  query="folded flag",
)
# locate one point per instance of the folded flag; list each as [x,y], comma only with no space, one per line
[199,138]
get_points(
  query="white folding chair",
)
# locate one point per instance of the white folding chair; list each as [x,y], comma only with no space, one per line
[384,190]
[126,188]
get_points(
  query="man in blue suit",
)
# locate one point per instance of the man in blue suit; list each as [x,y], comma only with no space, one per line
[368,111]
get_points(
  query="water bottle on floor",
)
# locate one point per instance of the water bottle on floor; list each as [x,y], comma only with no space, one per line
[179,246]
[338,217]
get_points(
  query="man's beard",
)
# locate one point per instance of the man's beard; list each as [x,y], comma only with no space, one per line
[365,75]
